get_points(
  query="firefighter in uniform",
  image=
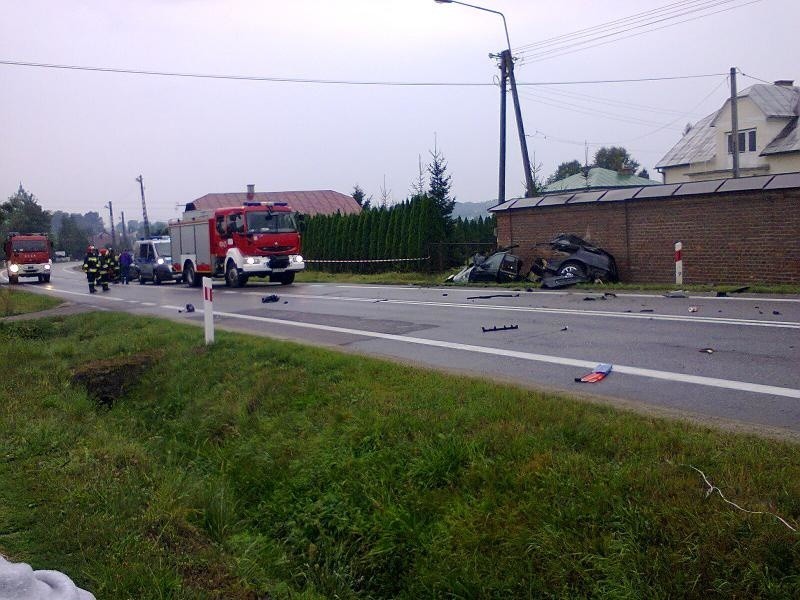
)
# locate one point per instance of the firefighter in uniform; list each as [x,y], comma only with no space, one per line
[91,266]
[105,268]
[113,271]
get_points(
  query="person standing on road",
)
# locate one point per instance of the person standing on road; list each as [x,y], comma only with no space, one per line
[105,268]
[125,260]
[91,266]
[113,266]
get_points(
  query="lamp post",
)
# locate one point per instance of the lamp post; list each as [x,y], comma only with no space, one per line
[506,73]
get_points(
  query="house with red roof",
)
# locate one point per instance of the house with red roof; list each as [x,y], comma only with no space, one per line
[312,202]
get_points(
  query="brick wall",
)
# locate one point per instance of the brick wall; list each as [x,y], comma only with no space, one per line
[744,237]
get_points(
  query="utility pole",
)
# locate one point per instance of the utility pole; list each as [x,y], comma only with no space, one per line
[523,142]
[144,209]
[734,124]
[501,185]
[124,229]
[110,208]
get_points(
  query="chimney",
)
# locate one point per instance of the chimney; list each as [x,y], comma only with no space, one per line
[785,82]
[626,169]
[251,191]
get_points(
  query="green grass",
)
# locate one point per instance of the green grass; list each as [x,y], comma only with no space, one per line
[438,279]
[258,468]
[17,302]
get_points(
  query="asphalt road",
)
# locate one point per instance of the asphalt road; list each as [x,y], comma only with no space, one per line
[751,378]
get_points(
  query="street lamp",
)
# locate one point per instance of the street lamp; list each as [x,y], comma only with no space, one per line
[506,73]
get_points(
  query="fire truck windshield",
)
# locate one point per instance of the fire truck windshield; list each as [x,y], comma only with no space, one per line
[29,246]
[270,222]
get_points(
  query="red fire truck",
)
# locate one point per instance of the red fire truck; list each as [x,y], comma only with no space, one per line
[28,255]
[257,239]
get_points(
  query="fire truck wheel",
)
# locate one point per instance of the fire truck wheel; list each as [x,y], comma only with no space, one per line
[46,278]
[287,278]
[232,276]
[13,279]
[192,280]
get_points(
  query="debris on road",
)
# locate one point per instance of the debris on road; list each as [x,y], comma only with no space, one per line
[647,310]
[270,298]
[776,312]
[676,294]
[739,290]
[564,328]
[189,309]
[501,328]
[707,350]
[381,300]
[599,373]
[492,296]
[693,309]
[444,294]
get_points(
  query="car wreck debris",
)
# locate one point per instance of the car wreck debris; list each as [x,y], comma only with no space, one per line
[189,309]
[492,296]
[693,309]
[706,350]
[502,328]
[600,372]
[578,262]
[270,298]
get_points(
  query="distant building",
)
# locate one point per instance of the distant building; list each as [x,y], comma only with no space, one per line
[313,202]
[769,138]
[598,178]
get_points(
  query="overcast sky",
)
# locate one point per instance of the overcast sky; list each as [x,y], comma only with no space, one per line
[78,139]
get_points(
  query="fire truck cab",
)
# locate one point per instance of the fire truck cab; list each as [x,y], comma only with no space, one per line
[28,255]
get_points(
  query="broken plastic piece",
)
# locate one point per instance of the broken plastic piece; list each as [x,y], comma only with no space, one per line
[776,312]
[503,328]
[564,328]
[270,298]
[693,309]
[599,373]
[189,308]
[647,310]
[707,350]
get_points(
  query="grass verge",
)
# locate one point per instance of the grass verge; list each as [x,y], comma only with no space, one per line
[256,468]
[17,302]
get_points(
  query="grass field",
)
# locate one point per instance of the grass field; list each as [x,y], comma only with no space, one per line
[149,466]
[438,279]
[17,302]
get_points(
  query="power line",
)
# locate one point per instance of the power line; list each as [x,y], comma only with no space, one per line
[610,102]
[615,24]
[555,53]
[272,79]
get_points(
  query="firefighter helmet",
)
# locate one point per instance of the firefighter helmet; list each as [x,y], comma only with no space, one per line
[103,251]
[90,249]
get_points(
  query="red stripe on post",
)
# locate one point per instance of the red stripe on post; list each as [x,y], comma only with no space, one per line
[677,255]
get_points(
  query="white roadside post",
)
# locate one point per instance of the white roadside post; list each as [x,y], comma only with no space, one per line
[208,309]
[678,263]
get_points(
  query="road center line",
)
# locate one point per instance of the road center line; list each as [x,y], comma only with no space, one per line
[545,358]
[557,311]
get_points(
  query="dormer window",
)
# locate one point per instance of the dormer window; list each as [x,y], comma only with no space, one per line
[747,141]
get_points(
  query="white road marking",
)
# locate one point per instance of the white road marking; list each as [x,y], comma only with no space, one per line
[556,292]
[745,386]
[558,311]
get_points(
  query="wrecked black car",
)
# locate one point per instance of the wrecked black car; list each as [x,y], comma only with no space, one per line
[500,267]
[576,261]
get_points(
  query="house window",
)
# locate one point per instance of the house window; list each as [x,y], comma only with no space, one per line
[747,141]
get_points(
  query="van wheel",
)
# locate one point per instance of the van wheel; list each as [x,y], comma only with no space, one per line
[46,278]
[141,279]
